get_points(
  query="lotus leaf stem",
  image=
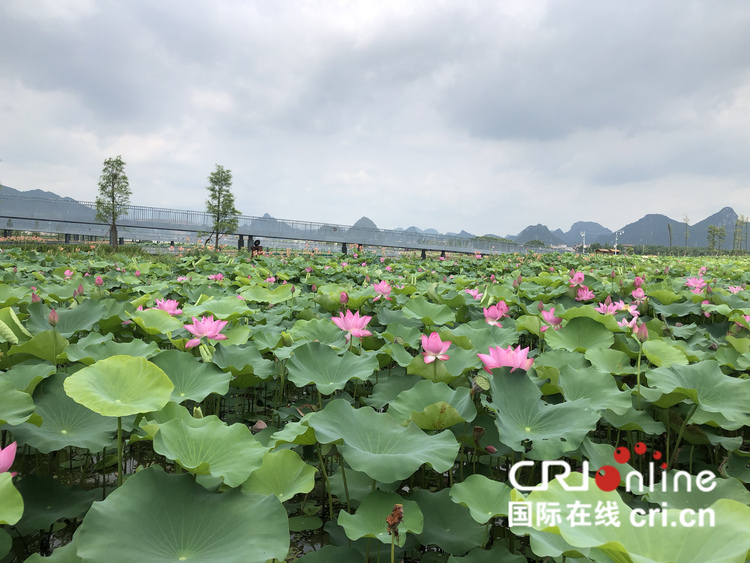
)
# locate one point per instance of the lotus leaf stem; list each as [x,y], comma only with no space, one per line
[119,451]
[679,437]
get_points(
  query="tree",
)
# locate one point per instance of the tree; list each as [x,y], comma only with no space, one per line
[686,220]
[220,203]
[114,196]
[669,228]
[737,233]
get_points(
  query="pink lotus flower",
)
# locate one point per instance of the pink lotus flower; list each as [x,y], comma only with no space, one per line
[7,456]
[271,279]
[696,283]
[388,269]
[184,278]
[493,314]
[624,323]
[576,279]
[168,305]
[216,277]
[35,298]
[208,327]
[99,281]
[735,288]
[68,274]
[474,293]
[383,289]
[53,318]
[434,348]
[137,273]
[702,270]
[706,313]
[551,320]
[638,294]
[584,294]
[499,357]
[344,298]
[608,308]
[352,324]
[638,282]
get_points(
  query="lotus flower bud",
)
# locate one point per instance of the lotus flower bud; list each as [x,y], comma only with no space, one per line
[491,450]
[258,426]
[344,299]
[137,273]
[540,306]
[641,332]
[15,270]
[314,288]
[53,318]
[80,289]
[99,281]
[613,274]
[35,298]
[287,339]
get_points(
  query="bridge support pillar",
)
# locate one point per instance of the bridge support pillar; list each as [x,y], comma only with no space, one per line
[442,254]
[424,254]
[241,242]
[121,242]
[343,248]
[67,238]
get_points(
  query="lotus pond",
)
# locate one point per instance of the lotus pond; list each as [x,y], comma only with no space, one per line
[304,408]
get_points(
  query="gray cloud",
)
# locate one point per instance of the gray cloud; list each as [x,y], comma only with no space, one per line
[453,115]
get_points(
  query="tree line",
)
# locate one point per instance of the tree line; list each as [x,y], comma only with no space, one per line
[114,198]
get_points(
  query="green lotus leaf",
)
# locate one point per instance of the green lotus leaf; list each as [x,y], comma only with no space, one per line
[11,501]
[160,518]
[483,497]
[600,455]
[579,335]
[242,360]
[304,523]
[498,554]
[726,541]
[6,334]
[94,347]
[435,371]
[410,335]
[358,484]
[428,313]
[660,353]
[46,501]
[462,361]
[433,406]
[120,386]
[679,497]
[376,444]
[665,296]
[523,416]
[610,361]
[530,323]
[259,294]
[316,363]
[192,380]
[283,474]
[332,554]
[635,420]
[388,389]
[6,543]
[722,398]
[16,406]
[588,311]
[27,375]
[321,330]
[10,295]
[155,321]
[207,446]
[447,525]
[9,318]
[46,345]
[681,309]
[227,308]
[598,387]
[294,433]
[369,521]
[81,317]
[64,422]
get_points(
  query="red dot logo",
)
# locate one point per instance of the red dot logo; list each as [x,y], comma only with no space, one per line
[622,455]
[607,478]
[657,455]
[640,448]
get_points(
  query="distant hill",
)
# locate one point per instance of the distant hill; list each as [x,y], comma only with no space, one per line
[594,233]
[651,229]
[538,232]
[364,223]
[699,232]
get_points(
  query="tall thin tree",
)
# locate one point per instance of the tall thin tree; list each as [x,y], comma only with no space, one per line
[114,196]
[220,203]
[686,220]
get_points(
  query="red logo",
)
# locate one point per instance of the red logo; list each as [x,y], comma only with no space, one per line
[608,477]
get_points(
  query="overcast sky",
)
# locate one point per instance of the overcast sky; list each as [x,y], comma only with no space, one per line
[483,116]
